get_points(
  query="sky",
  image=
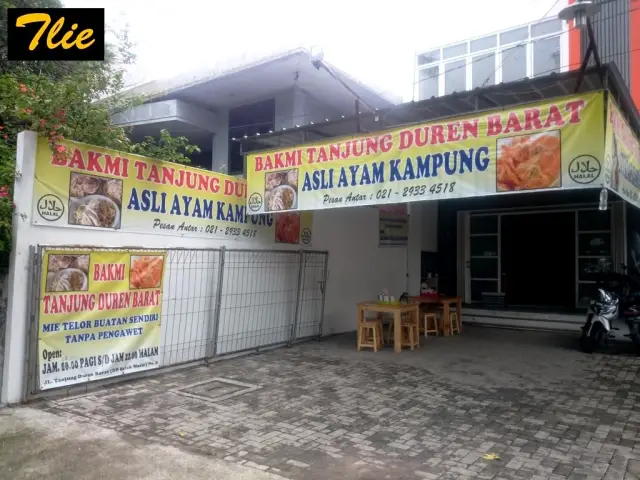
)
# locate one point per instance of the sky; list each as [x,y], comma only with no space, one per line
[373,42]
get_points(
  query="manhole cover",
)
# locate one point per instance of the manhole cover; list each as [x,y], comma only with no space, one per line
[216,389]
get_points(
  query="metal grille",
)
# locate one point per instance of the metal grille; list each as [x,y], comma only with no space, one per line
[221,301]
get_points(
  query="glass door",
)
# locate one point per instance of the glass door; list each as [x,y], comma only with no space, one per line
[484,258]
[594,252]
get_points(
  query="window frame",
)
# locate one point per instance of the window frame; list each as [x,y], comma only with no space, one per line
[497,51]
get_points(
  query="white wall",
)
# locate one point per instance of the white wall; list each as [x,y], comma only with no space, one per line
[358,268]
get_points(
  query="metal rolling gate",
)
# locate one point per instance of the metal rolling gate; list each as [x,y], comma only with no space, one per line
[218,302]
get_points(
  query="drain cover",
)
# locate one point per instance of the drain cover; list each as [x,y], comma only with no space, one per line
[216,389]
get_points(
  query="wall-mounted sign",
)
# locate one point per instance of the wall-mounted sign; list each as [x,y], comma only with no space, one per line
[547,146]
[622,154]
[96,188]
[100,314]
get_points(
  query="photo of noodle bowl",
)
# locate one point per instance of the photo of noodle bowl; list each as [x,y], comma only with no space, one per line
[68,273]
[529,162]
[281,191]
[288,227]
[94,201]
[145,271]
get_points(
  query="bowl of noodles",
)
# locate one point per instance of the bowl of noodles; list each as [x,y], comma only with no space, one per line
[94,211]
[67,280]
[282,197]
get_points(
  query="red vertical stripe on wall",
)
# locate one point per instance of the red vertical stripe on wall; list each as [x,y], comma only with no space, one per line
[575,55]
[634,50]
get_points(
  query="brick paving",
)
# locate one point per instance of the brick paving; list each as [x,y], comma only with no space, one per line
[322,411]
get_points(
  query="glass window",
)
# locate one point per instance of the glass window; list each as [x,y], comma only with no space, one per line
[594,220]
[514,63]
[483,68]
[591,269]
[546,56]
[484,246]
[429,79]
[484,268]
[479,224]
[593,244]
[455,77]
[429,57]
[515,35]
[454,50]
[484,43]
[547,27]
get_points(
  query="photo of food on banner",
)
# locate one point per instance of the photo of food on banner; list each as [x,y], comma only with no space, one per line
[145,271]
[68,273]
[529,162]
[288,227]
[281,191]
[95,201]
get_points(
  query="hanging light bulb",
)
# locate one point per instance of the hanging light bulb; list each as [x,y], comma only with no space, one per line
[604,197]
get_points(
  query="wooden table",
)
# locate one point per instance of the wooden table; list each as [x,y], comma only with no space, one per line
[397,309]
[446,303]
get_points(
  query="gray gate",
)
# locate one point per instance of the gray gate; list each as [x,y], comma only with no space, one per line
[218,302]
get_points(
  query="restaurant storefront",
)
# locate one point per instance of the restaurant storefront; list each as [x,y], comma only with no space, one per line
[534,198]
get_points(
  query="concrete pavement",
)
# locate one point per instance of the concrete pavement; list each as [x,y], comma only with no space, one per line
[36,444]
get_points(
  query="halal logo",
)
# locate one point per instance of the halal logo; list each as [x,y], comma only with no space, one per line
[255,202]
[584,169]
[305,236]
[50,208]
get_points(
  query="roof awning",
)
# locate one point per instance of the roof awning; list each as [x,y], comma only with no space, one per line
[494,97]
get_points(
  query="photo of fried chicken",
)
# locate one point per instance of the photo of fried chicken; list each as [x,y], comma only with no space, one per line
[529,162]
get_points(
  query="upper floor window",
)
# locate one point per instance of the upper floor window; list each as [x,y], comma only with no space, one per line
[484,43]
[453,51]
[511,55]
[429,82]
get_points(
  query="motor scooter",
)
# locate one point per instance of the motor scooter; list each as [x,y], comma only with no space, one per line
[600,315]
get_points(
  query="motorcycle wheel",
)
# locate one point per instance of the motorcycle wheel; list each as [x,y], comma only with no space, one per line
[590,343]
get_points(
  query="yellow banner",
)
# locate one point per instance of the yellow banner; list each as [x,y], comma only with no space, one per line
[96,188]
[543,146]
[622,153]
[100,314]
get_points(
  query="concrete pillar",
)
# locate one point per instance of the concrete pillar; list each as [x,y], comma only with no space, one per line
[14,373]
[414,248]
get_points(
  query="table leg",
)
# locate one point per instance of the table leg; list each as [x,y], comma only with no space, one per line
[416,314]
[459,308]
[360,319]
[397,332]
[446,311]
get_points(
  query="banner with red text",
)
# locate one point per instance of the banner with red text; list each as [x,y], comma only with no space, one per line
[622,152]
[547,146]
[100,314]
[96,188]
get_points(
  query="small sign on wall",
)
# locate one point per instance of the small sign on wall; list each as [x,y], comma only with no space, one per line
[393,226]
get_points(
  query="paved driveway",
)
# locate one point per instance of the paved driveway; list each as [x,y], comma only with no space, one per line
[323,411]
